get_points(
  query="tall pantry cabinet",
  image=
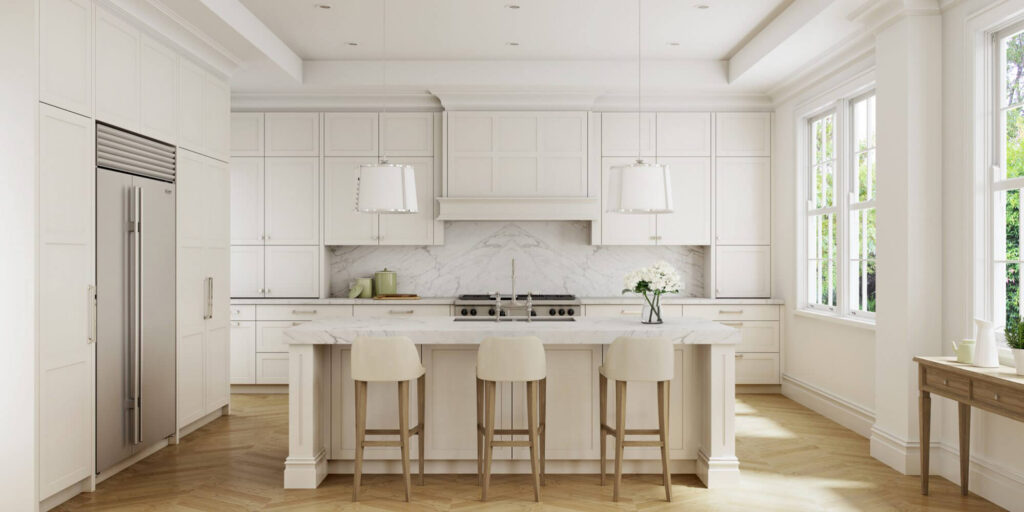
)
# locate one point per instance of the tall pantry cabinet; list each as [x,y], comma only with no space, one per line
[100,65]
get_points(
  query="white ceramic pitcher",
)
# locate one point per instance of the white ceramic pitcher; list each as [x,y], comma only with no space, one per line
[986,353]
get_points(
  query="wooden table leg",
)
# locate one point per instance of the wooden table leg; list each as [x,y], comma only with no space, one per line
[925,419]
[965,446]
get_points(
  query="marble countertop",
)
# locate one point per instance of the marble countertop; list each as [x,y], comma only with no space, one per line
[344,301]
[446,330]
[625,299]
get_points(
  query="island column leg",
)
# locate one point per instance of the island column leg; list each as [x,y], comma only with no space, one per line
[717,465]
[308,386]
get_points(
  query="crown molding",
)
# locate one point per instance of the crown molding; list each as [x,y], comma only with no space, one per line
[515,99]
[349,101]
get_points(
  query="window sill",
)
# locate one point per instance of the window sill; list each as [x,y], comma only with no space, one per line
[829,317]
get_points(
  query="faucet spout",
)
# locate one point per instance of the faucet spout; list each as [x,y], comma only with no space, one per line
[514,298]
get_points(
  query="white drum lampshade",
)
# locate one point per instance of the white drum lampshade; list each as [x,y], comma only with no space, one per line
[640,188]
[386,188]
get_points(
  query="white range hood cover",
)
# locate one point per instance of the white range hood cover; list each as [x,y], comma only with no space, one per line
[519,208]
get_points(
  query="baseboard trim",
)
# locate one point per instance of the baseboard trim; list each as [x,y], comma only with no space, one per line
[851,415]
[58,498]
[259,389]
[200,423]
[993,481]
[758,389]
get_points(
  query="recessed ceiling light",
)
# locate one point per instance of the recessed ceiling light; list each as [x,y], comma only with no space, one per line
[352,43]
[673,43]
[512,43]
[322,6]
[512,6]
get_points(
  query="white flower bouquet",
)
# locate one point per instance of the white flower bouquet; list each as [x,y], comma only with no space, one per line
[652,282]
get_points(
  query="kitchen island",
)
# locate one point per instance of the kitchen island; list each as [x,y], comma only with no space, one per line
[701,415]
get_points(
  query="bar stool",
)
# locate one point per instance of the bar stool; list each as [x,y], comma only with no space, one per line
[518,359]
[636,359]
[387,360]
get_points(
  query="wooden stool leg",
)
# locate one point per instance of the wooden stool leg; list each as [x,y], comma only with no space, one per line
[663,404]
[602,384]
[491,389]
[620,433]
[421,409]
[531,419]
[357,473]
[543,429]
[403,433]
[479,433]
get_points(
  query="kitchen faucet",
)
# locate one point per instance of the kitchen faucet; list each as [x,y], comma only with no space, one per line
[513,300]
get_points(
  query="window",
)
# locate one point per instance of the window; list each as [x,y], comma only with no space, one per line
[840,211]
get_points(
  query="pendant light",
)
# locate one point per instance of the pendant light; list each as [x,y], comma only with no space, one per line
[385,187]
[639,187]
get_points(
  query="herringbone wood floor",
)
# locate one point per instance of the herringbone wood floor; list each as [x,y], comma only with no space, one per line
[792,460]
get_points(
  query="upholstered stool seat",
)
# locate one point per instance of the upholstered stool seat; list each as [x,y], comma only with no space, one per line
[513,359]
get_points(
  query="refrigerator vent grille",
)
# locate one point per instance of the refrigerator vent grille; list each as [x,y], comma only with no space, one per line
[123,151]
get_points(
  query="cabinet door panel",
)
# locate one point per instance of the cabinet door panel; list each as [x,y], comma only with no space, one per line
[758,336]
[351,134]
[400,311]
[270,336]
[342,224]
[690,223]
[216,196]
[117,71]
[271,368]
[757,369]
[217,370]
[247,134]
[413,228]
[623,228]
[191,398]
[743,271]
[684,134]
[243,352]
[65,54]
[620,134]
[406,134]
[743,134]
[216,117]
[247,201]
[743,188]
[292,271]
[247,271]
[159,91]
[292,133]
[292,194]
[191,116]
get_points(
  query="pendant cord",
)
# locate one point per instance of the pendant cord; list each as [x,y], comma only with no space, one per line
[639,108]
[384,64]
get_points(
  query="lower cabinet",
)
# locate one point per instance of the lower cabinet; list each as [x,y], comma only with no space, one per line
[272,368]
[243,352]
[758,353]
[757,368]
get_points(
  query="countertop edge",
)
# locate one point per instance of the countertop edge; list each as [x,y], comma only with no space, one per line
[586,301]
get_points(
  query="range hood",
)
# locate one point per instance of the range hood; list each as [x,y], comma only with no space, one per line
[519,208]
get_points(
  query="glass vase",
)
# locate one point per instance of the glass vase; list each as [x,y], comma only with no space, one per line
[651,312]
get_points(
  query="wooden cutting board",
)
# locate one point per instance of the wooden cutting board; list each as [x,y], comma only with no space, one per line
[397,296]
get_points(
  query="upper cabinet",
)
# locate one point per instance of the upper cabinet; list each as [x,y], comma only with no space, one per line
[66,54]
[626,134]
[247,134]
[204,117]
[743,134]
[292,133]
[291,199]
[743,201]
[407,134]
[351,134]
[690,223]
[158,83]
[117,71]
[517,154]
[683,134]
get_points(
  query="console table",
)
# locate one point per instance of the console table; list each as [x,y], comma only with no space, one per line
[996,390]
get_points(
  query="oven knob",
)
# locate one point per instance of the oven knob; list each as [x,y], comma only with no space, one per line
[533,313]
[464,311]
[571,312]
[561,312]
[490,311]
[472,312]
[503,313]
[551,311]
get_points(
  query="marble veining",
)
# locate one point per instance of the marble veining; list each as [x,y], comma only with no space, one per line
[551,257]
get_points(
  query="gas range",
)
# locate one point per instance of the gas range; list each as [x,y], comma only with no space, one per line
[544,305]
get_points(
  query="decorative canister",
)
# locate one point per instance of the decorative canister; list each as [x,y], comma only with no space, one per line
[365,285]
[385,282]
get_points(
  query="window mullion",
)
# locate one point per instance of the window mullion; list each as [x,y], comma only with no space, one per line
[842,182]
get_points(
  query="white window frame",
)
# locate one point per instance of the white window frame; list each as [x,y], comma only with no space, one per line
[835,209]
[839,101]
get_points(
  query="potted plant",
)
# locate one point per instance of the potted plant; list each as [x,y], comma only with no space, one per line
[1015,339]
[652,282]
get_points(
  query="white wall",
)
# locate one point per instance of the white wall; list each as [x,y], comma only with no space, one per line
[18,263]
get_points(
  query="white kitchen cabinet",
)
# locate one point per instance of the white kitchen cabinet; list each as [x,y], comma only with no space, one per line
[758,335]
[247,271]
[66,291]
[743,271]
[405,134]
[117,71]
[191,82]
[216,368]
[247,201]
[246,134]
[272,368]
[343,225]
[66,54]
[216,117]
[683,134]
[517,154]
[401,310]
[243,352]
[292,133]
[412,228]
[757,368]
[351,134]
[292,201]
[158,83]
[630,310]
[270,336]
[743,134]
[743,188]
[623,228]
[690,223]
[626,134]
[291,271]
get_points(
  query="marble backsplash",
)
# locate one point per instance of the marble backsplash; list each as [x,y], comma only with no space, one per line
[551,257]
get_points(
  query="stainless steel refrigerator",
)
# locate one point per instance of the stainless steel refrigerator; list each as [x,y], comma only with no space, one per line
[135,294]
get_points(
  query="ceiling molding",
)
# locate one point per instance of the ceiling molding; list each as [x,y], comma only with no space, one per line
[832,62]
[685,102]
[482,99]
[349,101]
[783,27]
[243,21]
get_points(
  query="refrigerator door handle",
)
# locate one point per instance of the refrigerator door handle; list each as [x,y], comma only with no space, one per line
[135,302]
[90,295]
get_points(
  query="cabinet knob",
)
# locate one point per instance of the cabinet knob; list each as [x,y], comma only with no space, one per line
[945,382]
[996,397]
[739,356]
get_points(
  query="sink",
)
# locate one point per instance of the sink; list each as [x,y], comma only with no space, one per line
[491,319]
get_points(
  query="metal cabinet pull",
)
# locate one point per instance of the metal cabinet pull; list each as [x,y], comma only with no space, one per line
[135,316]
[400,312]
[90,297]
[628,312]
[730,311]
[737,324]
[739,356]
[303,311]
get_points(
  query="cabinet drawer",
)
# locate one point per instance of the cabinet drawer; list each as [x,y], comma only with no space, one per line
[947,383]
[302,312]
[607,310]
[732,312]
[998,398]
[270,336]
[758,335]
[246,312]
[757,369]
[271,368]
[401,310]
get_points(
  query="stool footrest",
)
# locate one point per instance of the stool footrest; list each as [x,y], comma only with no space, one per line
[632,431]
[509,431]
[382,443]
[641,443]
[393,431]
[524,444]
